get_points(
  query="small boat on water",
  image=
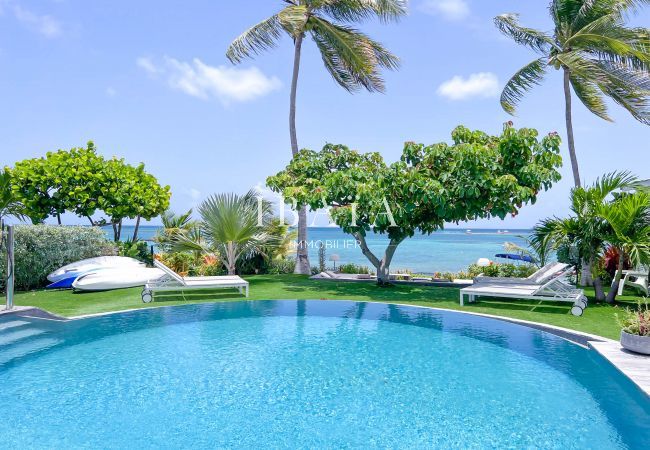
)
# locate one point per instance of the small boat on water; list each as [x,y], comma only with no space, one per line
[78,268]
[116,278]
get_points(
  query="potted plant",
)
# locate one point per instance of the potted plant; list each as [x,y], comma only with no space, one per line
[635,332]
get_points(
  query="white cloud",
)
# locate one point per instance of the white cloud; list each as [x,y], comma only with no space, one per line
[483,84]
[147,64]
[203,81]
[111,92]
[43,24]
[447,9]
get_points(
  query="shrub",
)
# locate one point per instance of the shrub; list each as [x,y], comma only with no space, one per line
[636,322]
[282,266]
[352,268]
[41,249]
[501,270]
[139,250]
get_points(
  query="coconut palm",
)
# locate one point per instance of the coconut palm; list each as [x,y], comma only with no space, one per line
[628,217]
[585,230]
[598,55]
[232,226]
[352,58]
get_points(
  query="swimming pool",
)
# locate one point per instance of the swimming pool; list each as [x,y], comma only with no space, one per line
[308,374]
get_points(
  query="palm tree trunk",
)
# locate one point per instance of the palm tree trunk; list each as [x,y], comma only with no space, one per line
[137,227]
[613,290]
[569,128]
[302,255]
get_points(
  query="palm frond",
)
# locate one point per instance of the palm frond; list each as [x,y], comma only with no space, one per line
[255,40]
[539,41]
[358,10]
[590,96]
[352,58]
[521,82]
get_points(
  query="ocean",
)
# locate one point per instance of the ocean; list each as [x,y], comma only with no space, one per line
[443,251]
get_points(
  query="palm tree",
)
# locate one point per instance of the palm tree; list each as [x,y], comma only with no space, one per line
[172,225]
[232,226]
[585,230]
[352,58]
[629,219]
[598,55]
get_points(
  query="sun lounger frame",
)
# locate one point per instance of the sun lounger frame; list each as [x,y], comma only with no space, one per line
[554,290]
[172,283]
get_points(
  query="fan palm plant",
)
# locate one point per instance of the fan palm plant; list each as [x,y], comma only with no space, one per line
[628,217]
[598,55]
[353,59]
[231,226]
[586,230]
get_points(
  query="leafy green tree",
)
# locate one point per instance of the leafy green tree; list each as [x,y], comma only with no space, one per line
[82,182]
[35,185]
[9,206]
[353,59]
[232,226]
[628,217]
[586,230]
[598,56]
[130,192]
[478,176]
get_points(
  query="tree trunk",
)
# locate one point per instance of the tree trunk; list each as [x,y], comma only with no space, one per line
[613,290]
[383,265]
[302,253]
[586,278]
[119,230]
[569,128]
[58,218]
[92,222]
[137,227]
[598,289]
[116,236]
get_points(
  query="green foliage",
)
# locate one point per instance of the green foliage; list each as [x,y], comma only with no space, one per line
[232,226]
[352,268]
[281,266]
[130,192]
[636,321]
[501,270]
[353,59]
[41,249]
[600,216]
[603,57]
[9,206]
[84,183]
[478,176]
[139,250]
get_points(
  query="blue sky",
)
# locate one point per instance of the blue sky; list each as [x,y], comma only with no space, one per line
[149,81]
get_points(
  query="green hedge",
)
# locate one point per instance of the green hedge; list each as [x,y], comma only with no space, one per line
[41,249]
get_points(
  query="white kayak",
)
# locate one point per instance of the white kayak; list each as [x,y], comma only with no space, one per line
[86,265]
[116,278]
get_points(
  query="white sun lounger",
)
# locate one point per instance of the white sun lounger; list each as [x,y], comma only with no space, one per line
[172,282]
[637,278]
[541,276]
[554,290]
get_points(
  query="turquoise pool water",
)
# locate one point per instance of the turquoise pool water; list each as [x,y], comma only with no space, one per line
[308,374]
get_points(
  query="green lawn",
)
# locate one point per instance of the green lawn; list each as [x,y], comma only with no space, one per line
[598,318]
